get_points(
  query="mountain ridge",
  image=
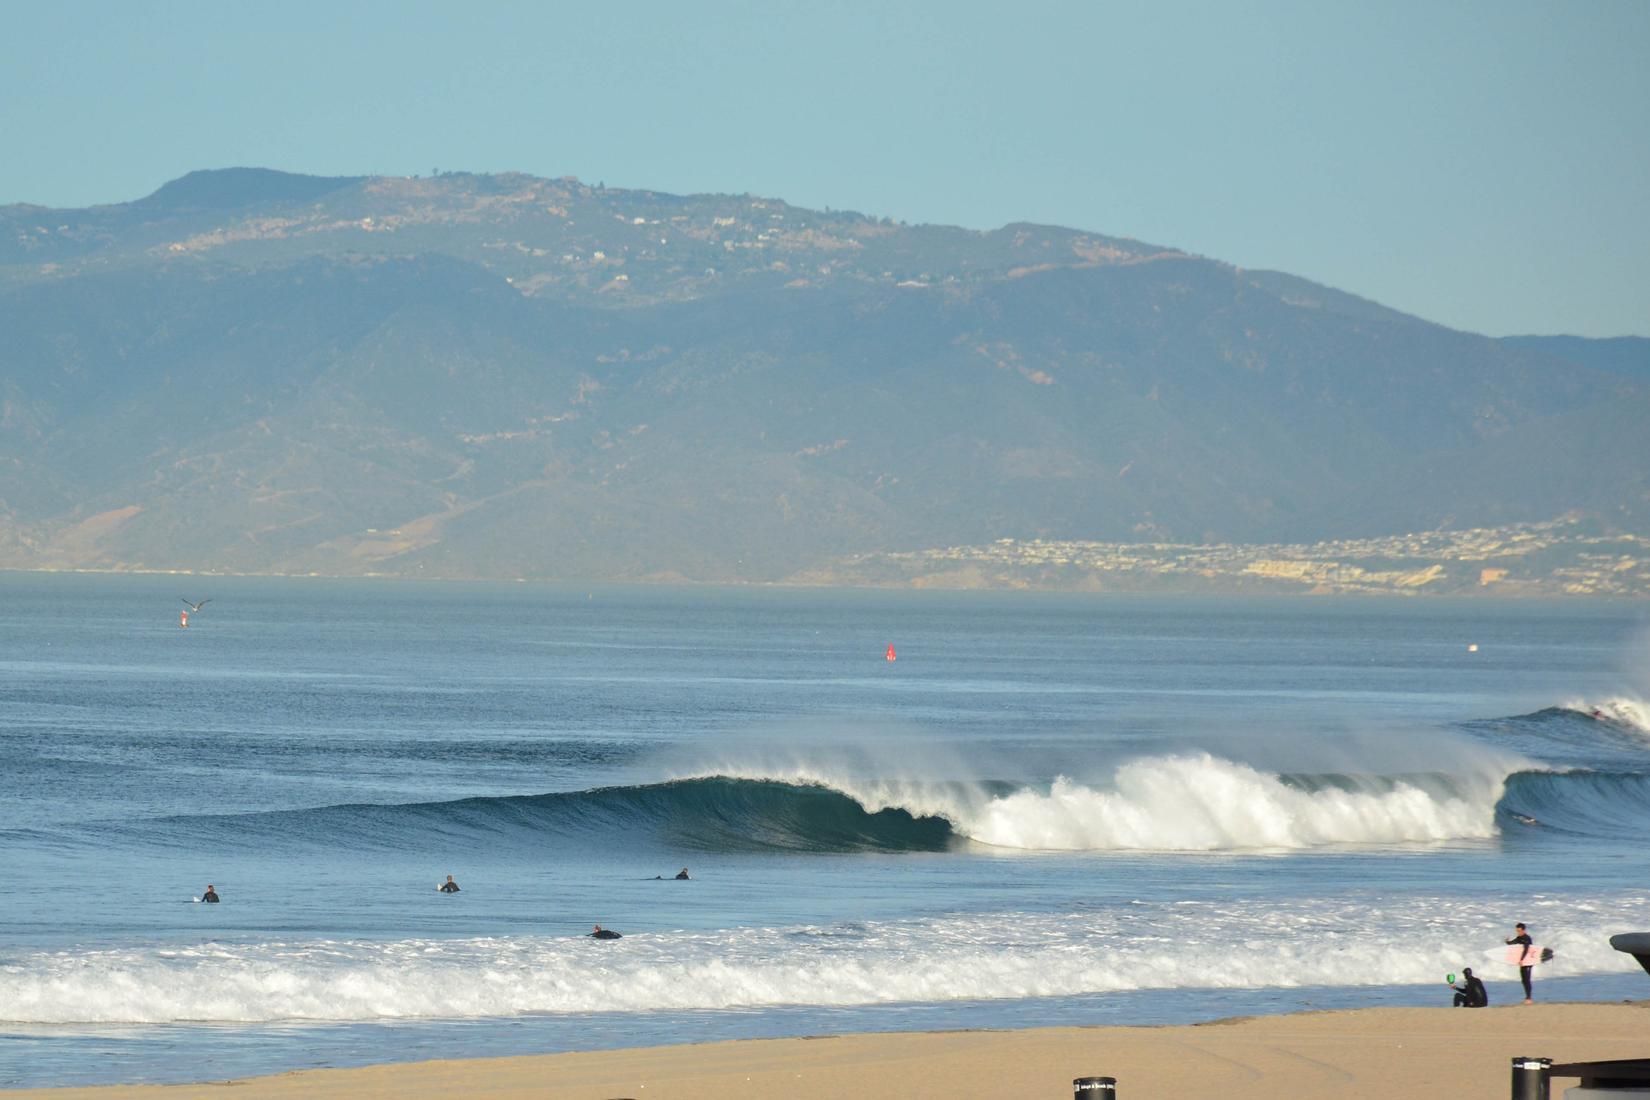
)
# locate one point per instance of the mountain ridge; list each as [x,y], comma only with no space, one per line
[472,375]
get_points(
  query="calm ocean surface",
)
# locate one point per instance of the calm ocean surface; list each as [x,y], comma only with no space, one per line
[1048,810]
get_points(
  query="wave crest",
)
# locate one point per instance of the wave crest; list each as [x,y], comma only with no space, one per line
[1618,710]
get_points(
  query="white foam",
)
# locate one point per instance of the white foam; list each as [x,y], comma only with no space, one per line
[1192,803]
[1168,945]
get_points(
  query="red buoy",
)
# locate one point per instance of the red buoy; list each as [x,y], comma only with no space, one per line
[183,619]
[891,656]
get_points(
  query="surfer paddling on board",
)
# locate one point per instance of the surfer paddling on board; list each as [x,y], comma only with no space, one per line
[1471,992]
[604,934]
[211,894]
[448,887]
[1526,959]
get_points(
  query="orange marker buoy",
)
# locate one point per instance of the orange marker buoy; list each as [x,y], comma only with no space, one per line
[891,656]
[183,619]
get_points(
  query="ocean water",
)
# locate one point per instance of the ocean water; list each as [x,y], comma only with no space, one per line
[1048,810]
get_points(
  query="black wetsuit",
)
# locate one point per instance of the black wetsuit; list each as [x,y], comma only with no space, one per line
[1472,994]
[209,896]
[604,934]
[449,887]
[1524,941]
[680,875]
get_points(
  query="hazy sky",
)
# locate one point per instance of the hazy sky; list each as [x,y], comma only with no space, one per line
[1486,165]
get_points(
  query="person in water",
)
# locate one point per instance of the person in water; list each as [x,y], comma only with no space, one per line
[604,934]
[1471,992]
[211,893]
[1522,939]
[681,876]
[449,887]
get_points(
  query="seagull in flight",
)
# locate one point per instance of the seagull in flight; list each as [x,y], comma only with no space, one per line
[195,607]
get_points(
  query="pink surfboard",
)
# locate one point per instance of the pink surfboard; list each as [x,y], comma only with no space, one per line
[1519,955]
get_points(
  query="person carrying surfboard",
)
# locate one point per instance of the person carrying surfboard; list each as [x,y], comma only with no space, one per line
[1526,959]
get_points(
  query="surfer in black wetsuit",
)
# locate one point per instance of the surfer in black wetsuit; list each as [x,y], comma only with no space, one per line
[681,876]
[210,895]
[1471,992]
[449,887]
[604,934]
[1522,939]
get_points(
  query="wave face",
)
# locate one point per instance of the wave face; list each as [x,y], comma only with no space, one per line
[1266,943]
[1583,803]
[712,813]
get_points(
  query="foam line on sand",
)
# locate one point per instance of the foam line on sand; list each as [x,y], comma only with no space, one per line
[1375,1053]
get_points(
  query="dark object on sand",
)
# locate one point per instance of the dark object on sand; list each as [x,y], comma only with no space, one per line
[1636,944]
[1094,1088]
[1532,1077]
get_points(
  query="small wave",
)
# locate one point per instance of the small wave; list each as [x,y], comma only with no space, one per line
[1189,944]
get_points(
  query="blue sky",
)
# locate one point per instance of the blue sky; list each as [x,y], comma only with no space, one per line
[1484,165]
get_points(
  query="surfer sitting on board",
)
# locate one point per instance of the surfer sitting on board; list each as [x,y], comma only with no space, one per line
[210,895]
[681,876]
[1471,992]
[604,934]
[1527,964]
[448,887]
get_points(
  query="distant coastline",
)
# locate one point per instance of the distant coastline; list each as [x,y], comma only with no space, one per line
[1559,559]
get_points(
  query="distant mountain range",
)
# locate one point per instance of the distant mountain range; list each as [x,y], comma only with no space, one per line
[504,376]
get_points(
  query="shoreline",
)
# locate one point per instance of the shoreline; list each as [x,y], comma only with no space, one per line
[1366,1052]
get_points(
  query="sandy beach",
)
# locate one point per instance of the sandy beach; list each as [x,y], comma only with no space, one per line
[1378,1052]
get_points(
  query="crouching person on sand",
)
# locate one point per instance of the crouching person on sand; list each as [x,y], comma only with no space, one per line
[1471,992]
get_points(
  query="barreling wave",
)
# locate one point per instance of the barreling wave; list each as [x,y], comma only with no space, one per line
[1191,802]
[1227,944]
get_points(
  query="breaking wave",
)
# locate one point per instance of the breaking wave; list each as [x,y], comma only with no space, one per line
[1265,943]
[1620,711]
[1191,801]
[1180,803]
